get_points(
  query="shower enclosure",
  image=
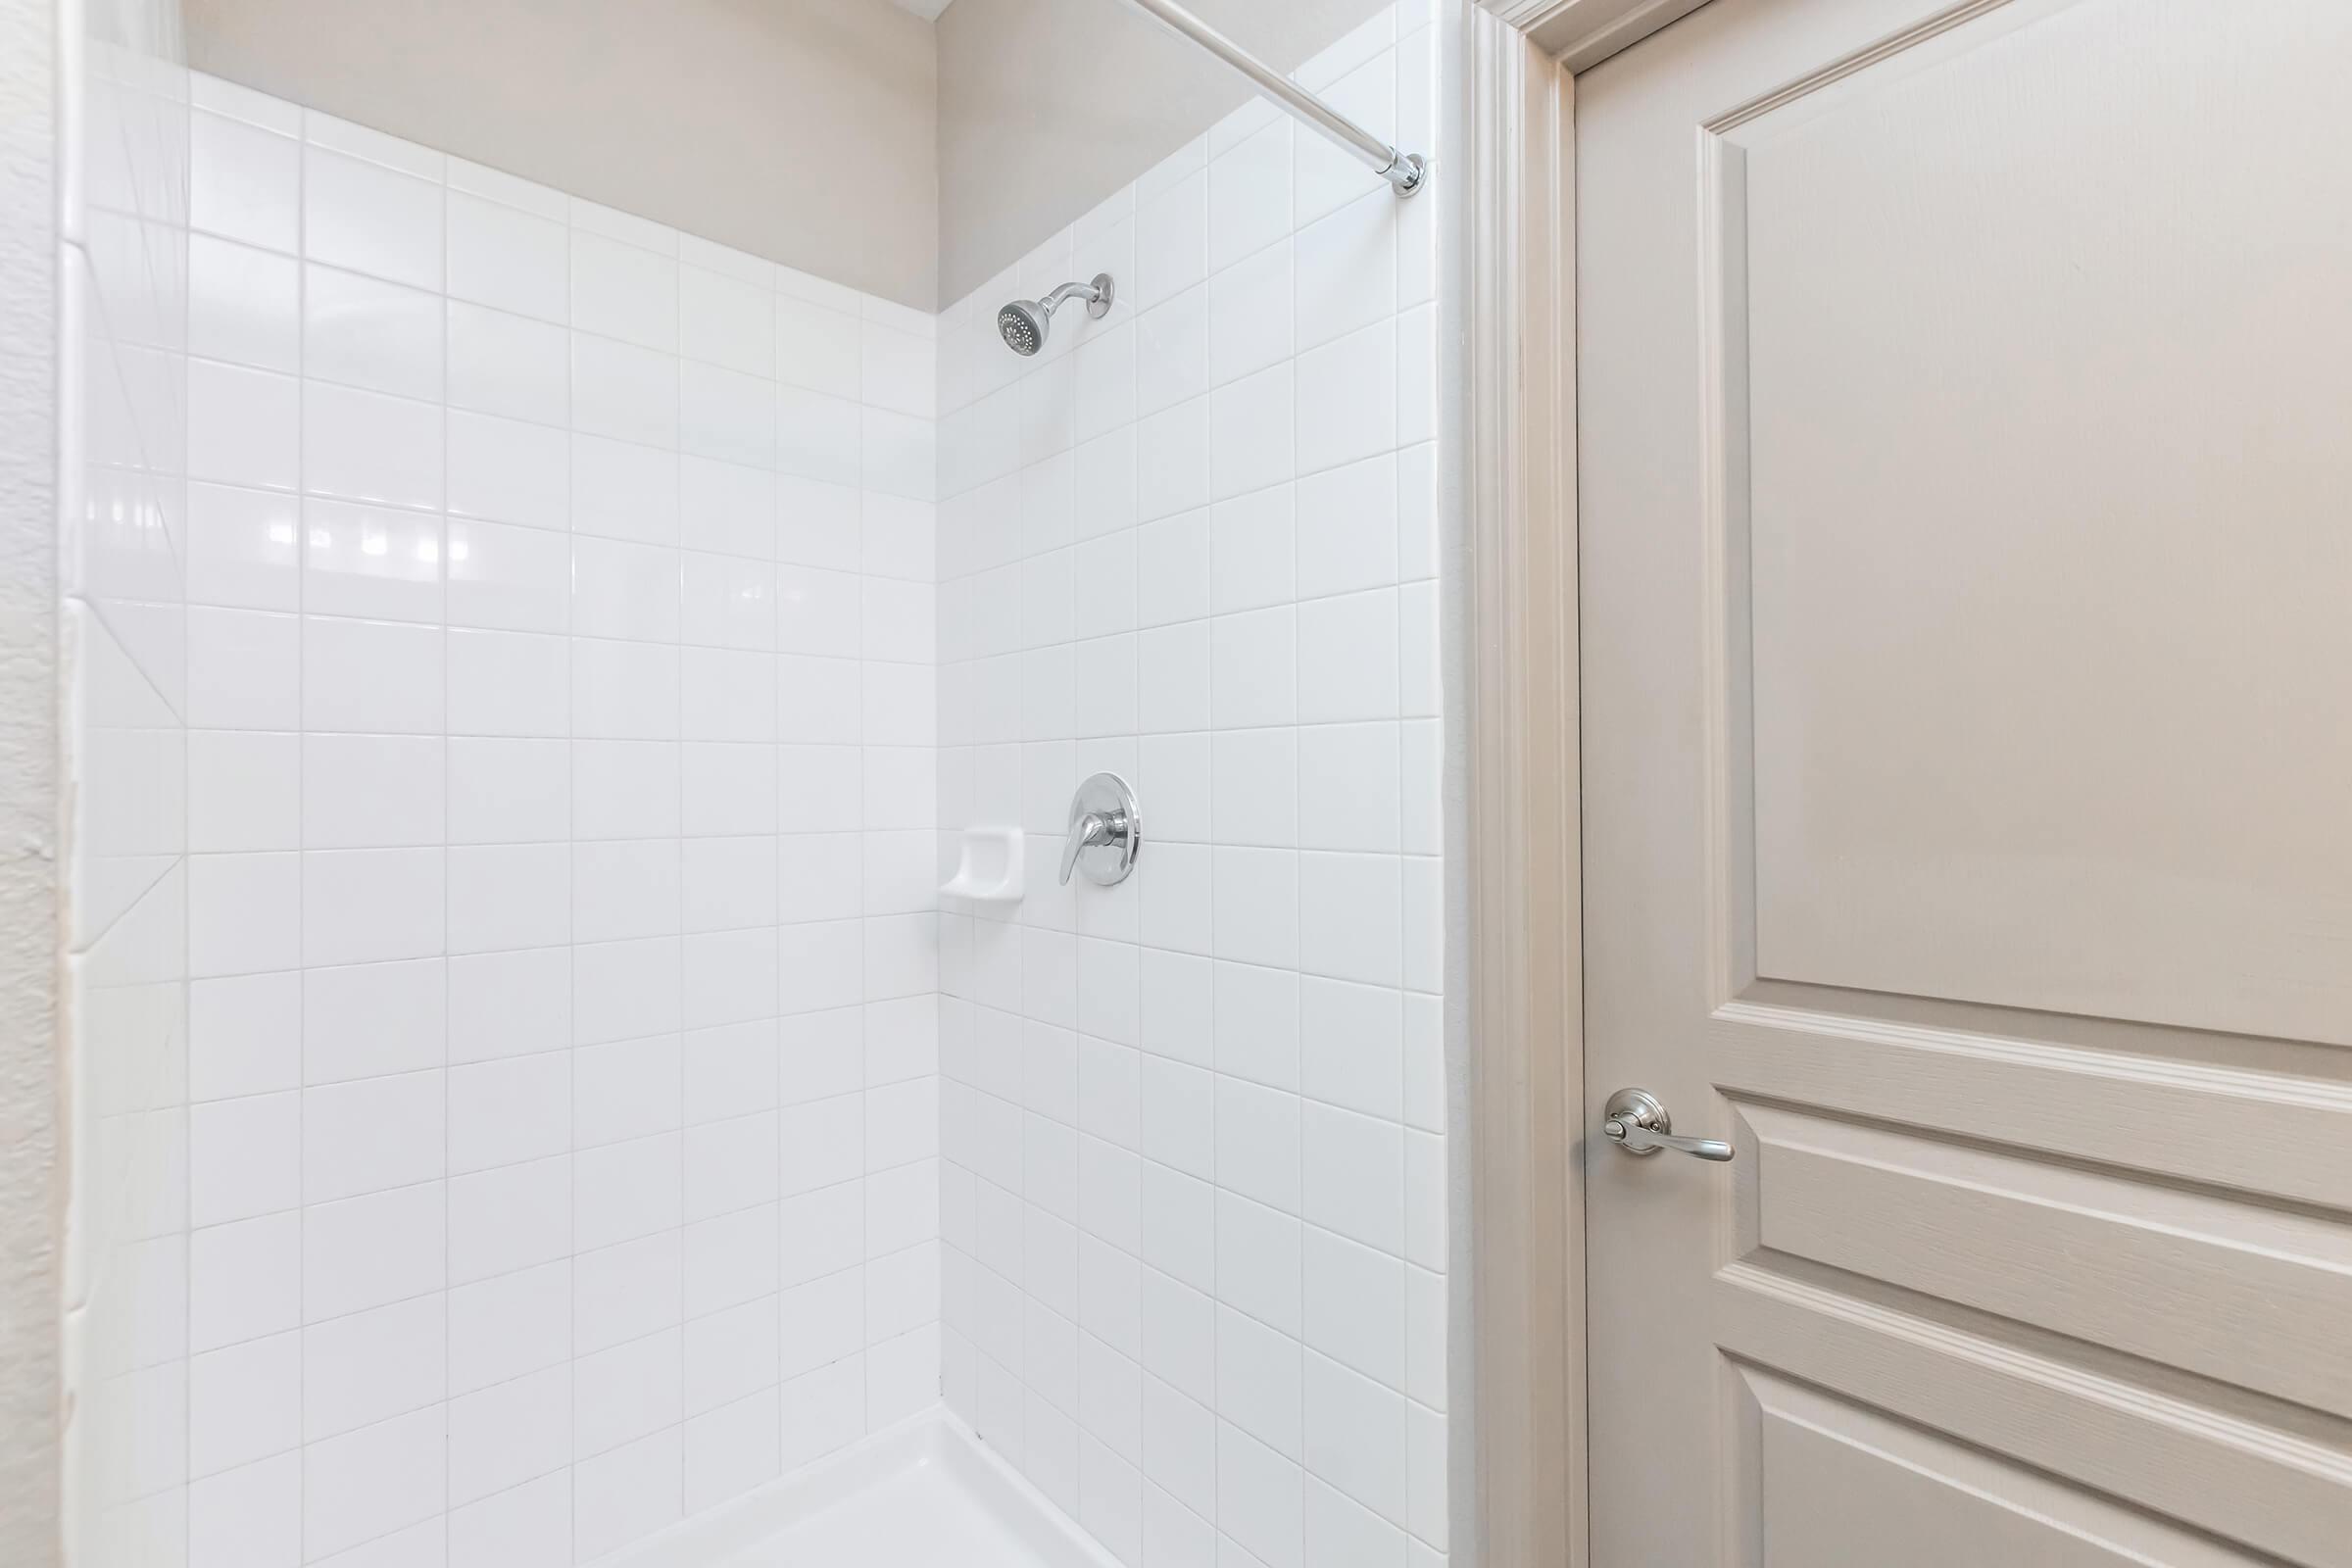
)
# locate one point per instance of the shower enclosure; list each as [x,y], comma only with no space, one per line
[530,671]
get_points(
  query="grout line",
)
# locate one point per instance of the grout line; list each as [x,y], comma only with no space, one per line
[678,855]
[448,812]
[300,509]
[571,1022]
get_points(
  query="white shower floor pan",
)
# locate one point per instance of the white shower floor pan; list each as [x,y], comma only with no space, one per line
[924,1493]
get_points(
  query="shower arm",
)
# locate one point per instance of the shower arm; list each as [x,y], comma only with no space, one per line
[1089,292]
[1408,171]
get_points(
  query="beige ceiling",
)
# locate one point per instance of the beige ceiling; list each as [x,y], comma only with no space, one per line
[928,10]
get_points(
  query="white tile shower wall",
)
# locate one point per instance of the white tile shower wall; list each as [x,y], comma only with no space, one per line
[560,707]
[123,276]
[1193,1188]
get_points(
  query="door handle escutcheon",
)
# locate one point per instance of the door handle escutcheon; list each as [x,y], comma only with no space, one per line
[1637,1121]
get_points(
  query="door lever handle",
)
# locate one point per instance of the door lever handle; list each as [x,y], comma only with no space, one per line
[1637,1121]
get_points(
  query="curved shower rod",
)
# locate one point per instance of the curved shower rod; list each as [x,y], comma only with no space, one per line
[1408,171]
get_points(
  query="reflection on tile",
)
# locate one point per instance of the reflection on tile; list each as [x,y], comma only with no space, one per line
[370,560]
[370,218]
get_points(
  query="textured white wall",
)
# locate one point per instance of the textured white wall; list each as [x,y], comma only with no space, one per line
[29,1081]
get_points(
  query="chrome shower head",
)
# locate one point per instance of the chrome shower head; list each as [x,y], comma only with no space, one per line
[1023,323]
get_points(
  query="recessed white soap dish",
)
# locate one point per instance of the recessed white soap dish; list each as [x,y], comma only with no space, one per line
[991,867]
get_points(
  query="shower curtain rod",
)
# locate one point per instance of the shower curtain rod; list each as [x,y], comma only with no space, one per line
[1408,171]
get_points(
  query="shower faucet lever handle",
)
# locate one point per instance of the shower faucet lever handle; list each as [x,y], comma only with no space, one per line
[1089,830]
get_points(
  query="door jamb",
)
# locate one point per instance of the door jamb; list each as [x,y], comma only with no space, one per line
[1525,1070]
[1519,1348]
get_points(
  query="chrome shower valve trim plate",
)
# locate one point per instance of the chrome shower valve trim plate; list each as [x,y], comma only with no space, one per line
[1105,831]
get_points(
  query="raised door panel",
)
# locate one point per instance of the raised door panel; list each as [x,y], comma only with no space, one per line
[2218,1284]
[1852,1488]
[2044,436]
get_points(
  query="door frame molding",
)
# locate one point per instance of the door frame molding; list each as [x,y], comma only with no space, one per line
[1525,1069]
[1580,33]
[1519,1341]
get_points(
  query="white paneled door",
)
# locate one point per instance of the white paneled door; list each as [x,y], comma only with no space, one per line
[1967,608]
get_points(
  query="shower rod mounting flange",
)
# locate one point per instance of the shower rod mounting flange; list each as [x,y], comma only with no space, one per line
[1409,173]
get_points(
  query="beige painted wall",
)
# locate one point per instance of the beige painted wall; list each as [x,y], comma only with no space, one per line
[29,931]
[1046,107]
[801,131]
[845,137]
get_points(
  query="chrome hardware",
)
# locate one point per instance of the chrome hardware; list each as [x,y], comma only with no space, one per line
[1023,323]
[1637,1122]
[1406,171]
[1107,831]
[1085,833]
